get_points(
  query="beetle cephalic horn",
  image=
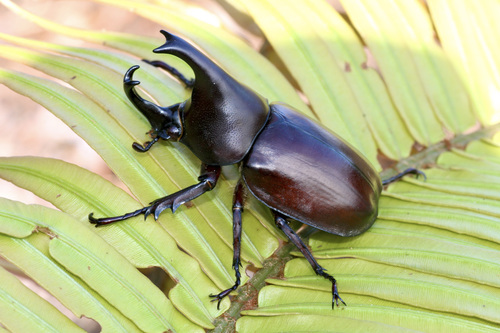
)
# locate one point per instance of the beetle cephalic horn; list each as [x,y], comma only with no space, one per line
[156,115]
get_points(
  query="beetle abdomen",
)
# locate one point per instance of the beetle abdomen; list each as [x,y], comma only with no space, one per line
[306,172]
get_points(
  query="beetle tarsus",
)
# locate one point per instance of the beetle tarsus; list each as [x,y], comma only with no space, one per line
[188,83]
[336,297]
[400,175]
[109,220]
[220,296]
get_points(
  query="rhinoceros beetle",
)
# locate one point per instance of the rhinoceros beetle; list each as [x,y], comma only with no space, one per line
[293,165]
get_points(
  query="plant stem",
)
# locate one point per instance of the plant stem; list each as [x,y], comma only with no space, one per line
[272,267]
[430,155]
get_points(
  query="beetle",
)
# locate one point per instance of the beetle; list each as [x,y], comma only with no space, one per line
[290,163]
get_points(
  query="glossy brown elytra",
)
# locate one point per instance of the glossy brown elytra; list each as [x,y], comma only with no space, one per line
[293,165]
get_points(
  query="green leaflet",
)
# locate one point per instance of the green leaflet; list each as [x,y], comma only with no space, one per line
[431,197]
[361,308]
[468,31]
[421,79]
[100,266]
[460,222]
[25,311]
[31,255]
[404,286]
[313,323]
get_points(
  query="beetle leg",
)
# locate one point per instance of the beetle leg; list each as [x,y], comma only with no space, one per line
[238,201]
[189,83]
[147,145]
[402,174]
[208,179]
[295,239]
[109,220]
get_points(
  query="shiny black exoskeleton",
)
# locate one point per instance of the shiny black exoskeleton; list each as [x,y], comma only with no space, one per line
[293,165]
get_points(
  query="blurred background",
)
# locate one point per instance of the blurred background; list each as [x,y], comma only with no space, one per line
[26,128]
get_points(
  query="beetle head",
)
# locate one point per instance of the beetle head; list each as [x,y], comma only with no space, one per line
[164,121]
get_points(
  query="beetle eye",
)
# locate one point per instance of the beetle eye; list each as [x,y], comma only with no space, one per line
[174,132]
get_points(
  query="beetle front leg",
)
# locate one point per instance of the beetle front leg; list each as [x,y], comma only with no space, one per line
[295,239]
[238,202]
[208,179]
